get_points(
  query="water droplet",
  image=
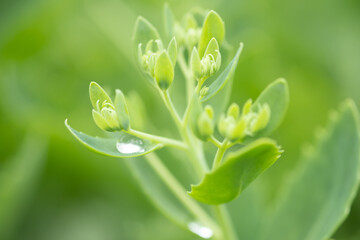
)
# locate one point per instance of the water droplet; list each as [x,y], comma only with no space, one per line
[131,146]
[200,230]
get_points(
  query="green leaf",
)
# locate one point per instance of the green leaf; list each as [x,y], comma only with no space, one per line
[98,96]
[123,145]
[145,172]
[318,197]
[169,21]
[224,77]
[144,32]
[18,180]
[164,71]
[239,169]
[172,50]
[276,95]
[122,110]
[213,28]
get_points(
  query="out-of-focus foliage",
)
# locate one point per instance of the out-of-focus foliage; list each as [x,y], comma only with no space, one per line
[51,50]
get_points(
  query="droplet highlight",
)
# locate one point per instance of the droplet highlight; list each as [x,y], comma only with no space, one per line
[200,230]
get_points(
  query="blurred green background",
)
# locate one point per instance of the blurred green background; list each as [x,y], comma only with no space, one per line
[51,187]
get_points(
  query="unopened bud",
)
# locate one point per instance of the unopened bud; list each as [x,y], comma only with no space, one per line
[205,124]
[247,107]
[237,131]
[164,71]
[262,119]
[234,111]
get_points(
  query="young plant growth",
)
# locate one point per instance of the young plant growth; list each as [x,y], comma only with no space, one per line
[196,45]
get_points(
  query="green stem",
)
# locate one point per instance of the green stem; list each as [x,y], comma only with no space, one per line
[190,83]
[214,141]
[196,156]
[163,140]
[176,188]
[225,222]
[220,154]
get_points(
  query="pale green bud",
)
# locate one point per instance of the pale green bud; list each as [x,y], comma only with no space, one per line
[164,71]
[190,21]
[100,121]
[203,92]
[237,131]
[209,111]
[122,110]
[212,48]
[172,50]
[205,123]
[159,45]
[234,111]
[247,107]
[98,96]
[195,64]
[262,119]
[149,47]
[111,119]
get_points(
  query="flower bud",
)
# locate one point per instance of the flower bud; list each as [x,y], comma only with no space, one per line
[234,111]
[203,92]
[205,123]
[98,96]
[164,71]
[262,119]
[237,131]
[247,107]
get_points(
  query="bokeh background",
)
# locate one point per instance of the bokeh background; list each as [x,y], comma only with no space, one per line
[51,187]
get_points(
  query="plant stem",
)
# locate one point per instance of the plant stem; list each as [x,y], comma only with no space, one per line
[214,141]
[220,154]
[196,156]
[176,188]
[225,222]
[190,83]
[163,140]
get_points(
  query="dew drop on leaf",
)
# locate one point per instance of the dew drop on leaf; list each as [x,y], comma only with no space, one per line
[200,230]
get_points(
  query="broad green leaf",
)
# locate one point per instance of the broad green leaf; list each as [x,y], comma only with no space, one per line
[224,77]
[213,28]
[122,146]
[144,32]
[276,95]
[319,195]
[145,172]
[122,110]
[18,180]
[169,21]
[239,169]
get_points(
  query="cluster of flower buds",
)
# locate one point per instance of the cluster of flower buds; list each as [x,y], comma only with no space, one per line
[188,32]
[107,115]
[235,125]
[209,64]
[159,62]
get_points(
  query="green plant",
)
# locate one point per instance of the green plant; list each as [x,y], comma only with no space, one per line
[197,46]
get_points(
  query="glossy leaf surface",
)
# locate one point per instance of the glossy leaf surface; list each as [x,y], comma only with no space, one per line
[224,77]
[239,169]
[319,195]
[122,146]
